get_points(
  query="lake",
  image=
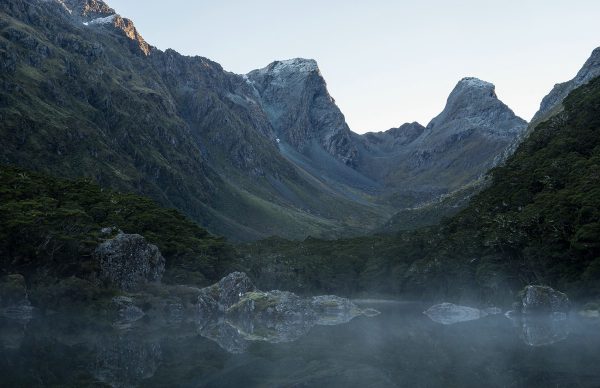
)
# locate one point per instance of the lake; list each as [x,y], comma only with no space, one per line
[401,347]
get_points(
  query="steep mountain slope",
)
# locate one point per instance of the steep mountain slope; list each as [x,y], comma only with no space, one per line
[247,156]
[537,222]
[298,105]
[404,166]
[456,147]
[552,103]
[84,95]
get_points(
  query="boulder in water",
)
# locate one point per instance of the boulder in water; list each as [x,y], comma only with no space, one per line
[219,297]
[544,299]
[129,262]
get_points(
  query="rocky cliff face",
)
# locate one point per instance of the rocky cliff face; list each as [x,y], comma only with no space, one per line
[473,105]
[552,103]
[247,156]
[459,145]
[294,96]
[96,13]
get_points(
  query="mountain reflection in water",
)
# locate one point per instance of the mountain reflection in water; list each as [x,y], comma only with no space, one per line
[397,348]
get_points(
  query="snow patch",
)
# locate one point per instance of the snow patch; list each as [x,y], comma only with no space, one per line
[475,83]
[296,65]
[62,4]
[99,21]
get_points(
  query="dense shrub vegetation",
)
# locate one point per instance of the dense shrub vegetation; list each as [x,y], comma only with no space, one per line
[49,228]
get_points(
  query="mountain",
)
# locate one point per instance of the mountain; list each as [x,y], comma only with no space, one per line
[552,103]
[535,222]
[82,94]
[294,96]
[456,147]
[403,166]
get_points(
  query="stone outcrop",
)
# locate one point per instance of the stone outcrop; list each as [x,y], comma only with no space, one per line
[128,262]
[233,312]
[219,297]
[544,299]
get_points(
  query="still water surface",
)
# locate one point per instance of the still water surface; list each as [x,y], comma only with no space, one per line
[401,347]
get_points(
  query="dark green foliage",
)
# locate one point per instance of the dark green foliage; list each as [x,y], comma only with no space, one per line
[51,226]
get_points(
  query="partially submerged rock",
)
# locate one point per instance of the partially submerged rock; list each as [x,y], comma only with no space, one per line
[272,305]
[541,315]
[450,313]
[544,299]
[233,311]
[129,262]
[221,296]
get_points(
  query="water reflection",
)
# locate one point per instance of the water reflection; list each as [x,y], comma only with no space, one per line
[283,324]
[125,359]
[534,329]
[399,347]
[541,329]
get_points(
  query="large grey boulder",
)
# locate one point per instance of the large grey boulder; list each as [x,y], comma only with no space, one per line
[221,296]
[233,311]
[129,262]
[544,299]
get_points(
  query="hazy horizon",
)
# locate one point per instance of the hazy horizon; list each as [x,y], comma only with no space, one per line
[387,64]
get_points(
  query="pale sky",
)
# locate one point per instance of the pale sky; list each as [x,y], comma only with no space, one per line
[387,62]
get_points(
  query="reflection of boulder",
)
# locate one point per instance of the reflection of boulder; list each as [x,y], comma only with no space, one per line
[225,335]
[450,313]
[12,333]
[233,312]
[541,329]
[13,291]
[15,311]
[125,360]
[544,330]
[544,299]
[541,316]
[126,310]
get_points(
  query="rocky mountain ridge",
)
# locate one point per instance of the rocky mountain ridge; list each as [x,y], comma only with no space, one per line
[247,156]
[552,103]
